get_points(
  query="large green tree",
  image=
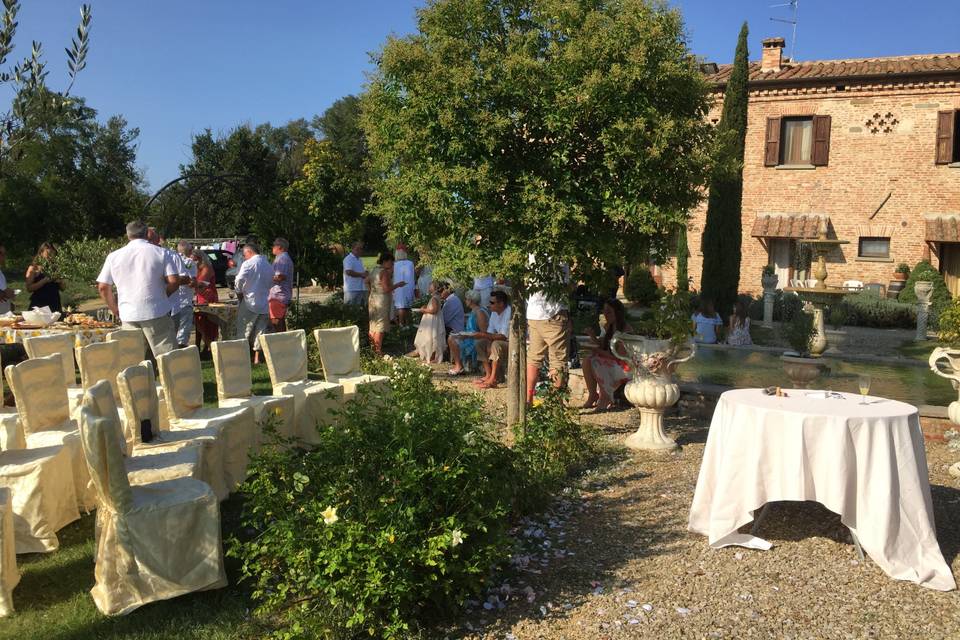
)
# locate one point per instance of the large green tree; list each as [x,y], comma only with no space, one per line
[570,129]
[722,233]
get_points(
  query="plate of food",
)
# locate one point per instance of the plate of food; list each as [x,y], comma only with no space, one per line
[25,326]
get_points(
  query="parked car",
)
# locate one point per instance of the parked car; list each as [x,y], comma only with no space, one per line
[220,260]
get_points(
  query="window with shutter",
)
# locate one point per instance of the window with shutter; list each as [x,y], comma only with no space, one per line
[821,141]
[771,155]
[946,133]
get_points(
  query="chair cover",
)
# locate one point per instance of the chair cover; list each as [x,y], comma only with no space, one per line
[314,401]
[63,344]
[42,496]
[140,403]
[150,464]
[183,386]
[44,411]
[100,361]
[133,346]
[11,433]
[156,541]
[286,354]
[231,362]
[339,352]
[9,574]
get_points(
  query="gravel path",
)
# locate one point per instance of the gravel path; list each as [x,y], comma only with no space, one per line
[615,560]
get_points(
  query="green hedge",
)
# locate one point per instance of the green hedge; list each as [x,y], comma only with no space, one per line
[640,287]
[867,309]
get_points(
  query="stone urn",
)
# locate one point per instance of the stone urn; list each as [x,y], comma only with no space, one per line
[769,282]
[945,363]
[652,390]
[801,371]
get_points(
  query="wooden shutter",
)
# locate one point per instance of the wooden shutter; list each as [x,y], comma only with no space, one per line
[821,141]
[771,148]
[945,133]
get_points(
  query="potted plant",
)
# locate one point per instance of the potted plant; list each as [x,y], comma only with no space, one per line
[800,367]
[655,356]
[902,272]
[768,278]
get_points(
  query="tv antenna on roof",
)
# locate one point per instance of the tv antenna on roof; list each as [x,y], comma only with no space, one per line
[793,6]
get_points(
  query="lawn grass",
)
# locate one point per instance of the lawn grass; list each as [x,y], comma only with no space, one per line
[917,350]
[53,601]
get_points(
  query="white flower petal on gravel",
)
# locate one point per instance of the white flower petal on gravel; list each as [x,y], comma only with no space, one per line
[738,555]
[631,603]
[683,611]
[634,621]
[647,607]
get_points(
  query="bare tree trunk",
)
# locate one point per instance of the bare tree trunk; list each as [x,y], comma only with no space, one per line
[517,364]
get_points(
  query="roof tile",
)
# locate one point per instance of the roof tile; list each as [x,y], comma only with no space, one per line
[814,70]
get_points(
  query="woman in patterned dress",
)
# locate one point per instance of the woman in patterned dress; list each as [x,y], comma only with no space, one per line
[381,299]
[603,372]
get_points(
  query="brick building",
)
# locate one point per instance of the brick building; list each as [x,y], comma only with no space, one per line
[869,147]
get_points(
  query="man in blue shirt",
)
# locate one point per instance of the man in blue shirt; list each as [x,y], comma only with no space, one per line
[282,290]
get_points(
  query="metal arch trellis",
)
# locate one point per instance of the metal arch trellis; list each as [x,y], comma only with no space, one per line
[233,180]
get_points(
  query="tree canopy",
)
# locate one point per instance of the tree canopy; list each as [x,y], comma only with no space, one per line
[567,128]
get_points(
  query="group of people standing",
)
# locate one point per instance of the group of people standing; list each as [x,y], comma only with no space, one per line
[152,288]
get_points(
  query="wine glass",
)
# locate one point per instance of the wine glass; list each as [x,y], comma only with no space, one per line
[863,382]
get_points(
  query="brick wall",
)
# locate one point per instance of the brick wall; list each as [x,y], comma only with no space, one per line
[864,168]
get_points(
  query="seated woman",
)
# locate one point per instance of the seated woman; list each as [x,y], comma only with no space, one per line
[705,322]
[465,347]
[431,334]
[738,333]
[603,372]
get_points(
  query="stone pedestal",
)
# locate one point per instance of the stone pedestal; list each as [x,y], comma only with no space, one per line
[652,396]
[769,284]
[818,343]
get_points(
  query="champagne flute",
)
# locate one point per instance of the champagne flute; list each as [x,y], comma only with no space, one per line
[863,382]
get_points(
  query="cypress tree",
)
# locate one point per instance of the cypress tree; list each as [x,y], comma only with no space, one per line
[721,234]
[683,280]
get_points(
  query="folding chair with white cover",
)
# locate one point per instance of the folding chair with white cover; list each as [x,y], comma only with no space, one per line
[100,361]
[9,574]
[11,433]
[43,498]
[41,396]
[140,406]
[133,351]
[183,387]
[286,354]
[155,541]
[231,362]
[147,464]
[340,357]
[63,344]
[339,352]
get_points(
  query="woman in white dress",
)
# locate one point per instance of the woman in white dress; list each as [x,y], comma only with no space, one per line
[431,336]
[738,333]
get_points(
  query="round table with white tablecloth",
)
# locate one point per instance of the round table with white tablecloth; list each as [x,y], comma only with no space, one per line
[865,462]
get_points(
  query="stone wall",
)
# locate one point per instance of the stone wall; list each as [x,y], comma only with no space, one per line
[864,167]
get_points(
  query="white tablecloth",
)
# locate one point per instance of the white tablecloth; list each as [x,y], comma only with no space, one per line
[864,462]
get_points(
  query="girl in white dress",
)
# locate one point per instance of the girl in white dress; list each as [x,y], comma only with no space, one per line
[431,336]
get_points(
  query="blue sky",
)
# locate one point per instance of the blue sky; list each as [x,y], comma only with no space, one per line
[174,67]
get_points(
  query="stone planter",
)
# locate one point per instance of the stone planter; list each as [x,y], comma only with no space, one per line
[652,390]
[769,283]
[951,359]
[801,371]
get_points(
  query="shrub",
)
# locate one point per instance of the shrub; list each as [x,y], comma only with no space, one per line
[949,333]
[903,268]
[400,511]
[394,513]
[941,298]
[867,309]
[787,306]
[640,287]
[799,331]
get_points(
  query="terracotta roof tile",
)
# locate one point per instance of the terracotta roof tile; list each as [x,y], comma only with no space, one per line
[786,226]
[818,70]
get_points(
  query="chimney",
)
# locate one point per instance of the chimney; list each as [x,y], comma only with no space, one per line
[772,54]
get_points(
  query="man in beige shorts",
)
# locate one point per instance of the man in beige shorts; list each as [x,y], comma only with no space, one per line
[548,323]
[493,344]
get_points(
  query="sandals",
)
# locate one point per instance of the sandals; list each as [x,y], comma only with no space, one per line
[455,372]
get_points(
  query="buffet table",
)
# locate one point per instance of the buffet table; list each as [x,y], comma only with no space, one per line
[82,335]
[865,462]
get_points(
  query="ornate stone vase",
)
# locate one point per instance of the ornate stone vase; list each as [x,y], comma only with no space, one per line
[652,390]
[945,363]
[801,371]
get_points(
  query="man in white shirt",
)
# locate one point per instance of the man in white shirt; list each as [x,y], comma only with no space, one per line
[403,271]
[483,285]
[354,277]
[493,344]
[182,311]
[145,276]
[548,322]
[6,294]
[253,284]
